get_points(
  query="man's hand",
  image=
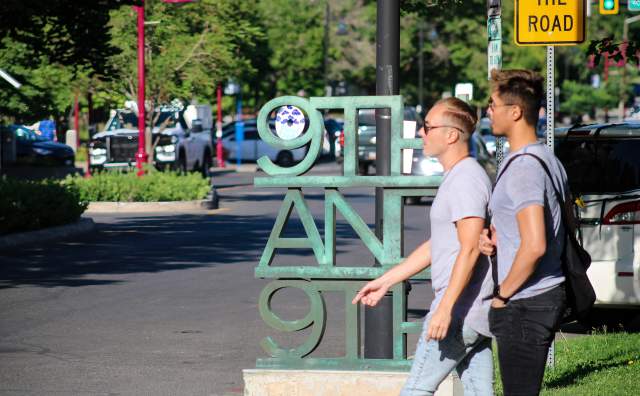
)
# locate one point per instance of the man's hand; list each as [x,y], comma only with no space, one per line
[371,293]
[488,242]
[439,324]
[496,303]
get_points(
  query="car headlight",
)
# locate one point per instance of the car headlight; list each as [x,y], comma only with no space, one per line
[174,139]
[42,151]
[166,149]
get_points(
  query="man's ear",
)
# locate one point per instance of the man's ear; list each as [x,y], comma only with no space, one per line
[453,136]
[516,113]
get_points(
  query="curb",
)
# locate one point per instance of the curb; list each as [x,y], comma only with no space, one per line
[149,207]
[48,234]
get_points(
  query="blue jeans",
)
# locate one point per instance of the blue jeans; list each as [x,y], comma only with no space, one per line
[462,349]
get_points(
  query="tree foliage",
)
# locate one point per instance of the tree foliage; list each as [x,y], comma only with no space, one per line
[273,47]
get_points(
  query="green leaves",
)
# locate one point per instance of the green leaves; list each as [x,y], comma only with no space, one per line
[29,205]
[127,187]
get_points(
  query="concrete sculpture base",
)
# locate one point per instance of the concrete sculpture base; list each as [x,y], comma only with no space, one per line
[334,383]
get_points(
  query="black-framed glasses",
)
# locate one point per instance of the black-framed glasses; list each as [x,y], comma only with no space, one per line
[427,128]
[492,105]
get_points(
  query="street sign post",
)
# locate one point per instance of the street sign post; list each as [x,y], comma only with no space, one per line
[494,49]
[549,22]
[494,54]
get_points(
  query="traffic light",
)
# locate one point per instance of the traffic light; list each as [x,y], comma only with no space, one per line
[609,7]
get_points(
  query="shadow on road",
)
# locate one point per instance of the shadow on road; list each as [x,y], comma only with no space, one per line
[148,244]
[138,244]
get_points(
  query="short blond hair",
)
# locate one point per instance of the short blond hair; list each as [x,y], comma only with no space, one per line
[459,114]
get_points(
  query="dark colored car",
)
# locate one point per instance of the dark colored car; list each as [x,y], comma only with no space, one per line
[32,149]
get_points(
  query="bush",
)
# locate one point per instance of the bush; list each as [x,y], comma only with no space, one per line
[31,205]
[127,187]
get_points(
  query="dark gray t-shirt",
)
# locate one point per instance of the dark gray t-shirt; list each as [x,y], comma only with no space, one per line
[523,184]
[464,192]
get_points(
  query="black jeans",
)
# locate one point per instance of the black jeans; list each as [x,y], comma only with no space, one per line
[524,330]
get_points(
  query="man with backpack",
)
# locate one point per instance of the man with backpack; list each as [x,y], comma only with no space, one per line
[529,299]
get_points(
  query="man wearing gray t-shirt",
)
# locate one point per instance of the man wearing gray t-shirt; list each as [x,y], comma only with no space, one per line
[456,333]
[526,227]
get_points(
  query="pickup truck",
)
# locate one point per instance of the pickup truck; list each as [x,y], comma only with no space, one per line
[181,139]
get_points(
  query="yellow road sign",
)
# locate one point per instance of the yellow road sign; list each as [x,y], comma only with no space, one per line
[549,22]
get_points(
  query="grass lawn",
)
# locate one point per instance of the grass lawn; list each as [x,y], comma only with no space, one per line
[600,364]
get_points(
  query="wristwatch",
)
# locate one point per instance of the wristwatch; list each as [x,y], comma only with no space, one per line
[496,294]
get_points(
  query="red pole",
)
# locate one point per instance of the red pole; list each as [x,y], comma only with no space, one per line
[219,153]
[76,121]
[141,155]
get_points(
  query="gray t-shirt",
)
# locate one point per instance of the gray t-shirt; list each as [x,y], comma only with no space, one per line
[525,183]
[464,192]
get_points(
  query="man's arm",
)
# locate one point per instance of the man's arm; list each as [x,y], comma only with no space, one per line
[533,244]
[373,291]
[468,230]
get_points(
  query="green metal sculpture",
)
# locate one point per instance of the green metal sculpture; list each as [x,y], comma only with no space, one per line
[326,276]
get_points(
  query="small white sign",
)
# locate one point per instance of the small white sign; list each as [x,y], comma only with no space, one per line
[408,132]
[464,91]
[290,122]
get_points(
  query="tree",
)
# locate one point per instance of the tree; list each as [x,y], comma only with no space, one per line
[55,48]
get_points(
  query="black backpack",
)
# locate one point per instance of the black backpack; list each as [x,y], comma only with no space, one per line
[575,260]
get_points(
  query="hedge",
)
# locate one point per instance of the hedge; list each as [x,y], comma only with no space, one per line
[127,187]
[31,205]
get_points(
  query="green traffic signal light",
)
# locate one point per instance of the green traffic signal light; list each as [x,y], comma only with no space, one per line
[608,7]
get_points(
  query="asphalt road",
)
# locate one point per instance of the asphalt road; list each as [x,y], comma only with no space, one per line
[165,304]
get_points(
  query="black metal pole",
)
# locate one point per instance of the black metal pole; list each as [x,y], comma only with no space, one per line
[420,63]
[325,49]
[378,321]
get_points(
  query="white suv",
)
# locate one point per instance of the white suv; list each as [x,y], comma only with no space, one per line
[603,167]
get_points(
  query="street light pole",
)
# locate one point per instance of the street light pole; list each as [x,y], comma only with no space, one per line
[141,155]
[219,152]
[325,49]
[378,340]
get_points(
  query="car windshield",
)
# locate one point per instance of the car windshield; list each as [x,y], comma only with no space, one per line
[24,133]
[602,165]
[129,120]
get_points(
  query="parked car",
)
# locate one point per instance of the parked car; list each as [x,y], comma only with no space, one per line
[181,139]
[33,149]
[367,137]
[252,147]
[603,167]
[429,166]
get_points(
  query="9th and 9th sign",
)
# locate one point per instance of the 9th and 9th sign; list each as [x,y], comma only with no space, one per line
[549,22]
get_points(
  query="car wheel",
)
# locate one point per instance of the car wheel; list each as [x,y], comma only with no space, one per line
[284,159]
[182,164]
[207,163]
[363,168]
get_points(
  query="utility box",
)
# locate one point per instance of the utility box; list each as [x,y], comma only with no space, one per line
[71,139]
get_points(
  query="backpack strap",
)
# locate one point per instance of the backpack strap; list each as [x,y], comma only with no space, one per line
[563,215]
